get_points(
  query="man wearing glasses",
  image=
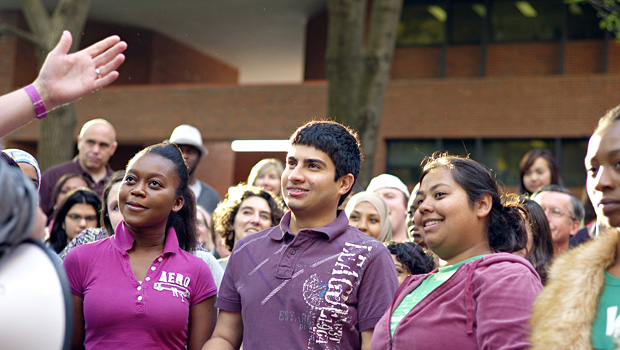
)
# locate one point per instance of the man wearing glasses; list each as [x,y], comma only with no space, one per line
[564,213]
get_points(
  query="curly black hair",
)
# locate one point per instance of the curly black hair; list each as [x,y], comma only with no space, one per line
[413,257]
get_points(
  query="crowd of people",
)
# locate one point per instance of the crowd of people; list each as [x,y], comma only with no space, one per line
[301,256]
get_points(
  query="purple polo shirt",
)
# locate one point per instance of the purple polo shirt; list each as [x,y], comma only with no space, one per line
[122,313]
[53,174]
[315,290]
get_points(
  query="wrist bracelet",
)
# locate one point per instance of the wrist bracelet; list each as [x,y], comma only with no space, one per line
[37,102]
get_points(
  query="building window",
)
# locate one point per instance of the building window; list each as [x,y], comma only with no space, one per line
[421,25]
[530,20]
[468,21]
[571,162]
[404,157]
[583,23]
[424,22]
[502,156]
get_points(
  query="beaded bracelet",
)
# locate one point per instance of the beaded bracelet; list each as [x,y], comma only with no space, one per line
[37,102]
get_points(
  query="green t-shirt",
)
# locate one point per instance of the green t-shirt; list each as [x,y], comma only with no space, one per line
[423,289]
[607,321]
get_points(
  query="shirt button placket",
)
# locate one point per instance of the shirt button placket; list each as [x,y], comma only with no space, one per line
[140,298]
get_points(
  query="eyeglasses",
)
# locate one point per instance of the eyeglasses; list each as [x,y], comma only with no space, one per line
[556,213]
[77,217]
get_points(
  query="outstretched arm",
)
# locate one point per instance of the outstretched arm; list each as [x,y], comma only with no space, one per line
[64,78]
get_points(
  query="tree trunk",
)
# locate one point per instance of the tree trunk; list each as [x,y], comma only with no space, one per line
[56,131]
[375,76]
[357,78]
[343,57]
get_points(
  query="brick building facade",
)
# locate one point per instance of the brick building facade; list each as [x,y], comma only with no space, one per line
[529,90]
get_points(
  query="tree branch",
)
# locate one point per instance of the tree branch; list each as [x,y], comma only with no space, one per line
[70,15]
[37,18]
[607,6]
[22,34]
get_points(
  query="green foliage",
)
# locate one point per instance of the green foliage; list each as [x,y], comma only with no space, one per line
[608,11]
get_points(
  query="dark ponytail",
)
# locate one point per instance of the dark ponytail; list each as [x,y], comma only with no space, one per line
[183,221]
[506,229]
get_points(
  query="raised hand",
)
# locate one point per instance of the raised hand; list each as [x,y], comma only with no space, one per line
[66,77]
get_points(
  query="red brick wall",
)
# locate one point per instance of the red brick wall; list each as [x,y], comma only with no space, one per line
[587,56]
[503,59]
[462,61]
[515,59]
[614,55]
[416,62]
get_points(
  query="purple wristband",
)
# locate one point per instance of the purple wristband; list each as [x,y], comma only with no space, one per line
[37,102]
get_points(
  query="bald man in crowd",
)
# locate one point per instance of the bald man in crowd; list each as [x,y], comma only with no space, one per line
[96,144]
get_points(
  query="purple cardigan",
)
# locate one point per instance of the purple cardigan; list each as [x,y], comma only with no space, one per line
[486,304]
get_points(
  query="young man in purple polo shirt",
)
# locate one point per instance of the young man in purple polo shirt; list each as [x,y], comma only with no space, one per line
[312,282]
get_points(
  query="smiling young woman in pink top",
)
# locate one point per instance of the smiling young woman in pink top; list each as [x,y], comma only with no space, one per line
[482,299]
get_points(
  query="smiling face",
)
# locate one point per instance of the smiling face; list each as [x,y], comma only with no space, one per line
[537,175]
[366,218]
[603,167]
[452,226]
[309,188]
[147,194]
[269,180]
[254,215]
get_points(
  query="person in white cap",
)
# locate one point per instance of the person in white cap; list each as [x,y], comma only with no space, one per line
[189,140]
[395,194]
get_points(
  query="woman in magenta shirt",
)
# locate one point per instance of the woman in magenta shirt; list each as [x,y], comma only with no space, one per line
[141,288]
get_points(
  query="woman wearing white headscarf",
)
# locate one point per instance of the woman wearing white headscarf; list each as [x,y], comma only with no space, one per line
[27,163]
[369,214]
